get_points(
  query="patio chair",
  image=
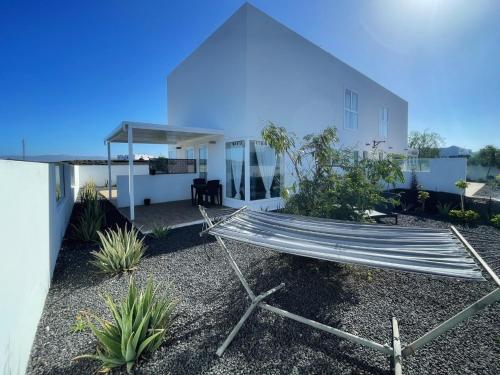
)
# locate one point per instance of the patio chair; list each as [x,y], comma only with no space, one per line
[197,188]
[214,192]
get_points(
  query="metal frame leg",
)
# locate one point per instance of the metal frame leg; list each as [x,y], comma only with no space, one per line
[396,348]
[245,316]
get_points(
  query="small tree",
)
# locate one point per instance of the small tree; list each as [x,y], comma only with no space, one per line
[427,143]
[489,156]
[422,197]
[462,185]
[330,184]
[283,142]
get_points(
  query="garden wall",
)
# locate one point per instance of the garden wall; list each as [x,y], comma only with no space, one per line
[33,223]
[99,173]
[441,175]
[480,173]
[159,188]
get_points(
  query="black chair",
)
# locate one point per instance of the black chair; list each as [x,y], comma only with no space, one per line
[197,188]
[214,192]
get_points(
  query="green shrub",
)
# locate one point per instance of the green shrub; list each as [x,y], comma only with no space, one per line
[121,250]
[328,181]
[140,324]
[465,215]
[495,221]
[160,231]
[90,222]
[444,208]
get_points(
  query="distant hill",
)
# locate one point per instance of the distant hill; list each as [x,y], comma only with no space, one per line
[54,158]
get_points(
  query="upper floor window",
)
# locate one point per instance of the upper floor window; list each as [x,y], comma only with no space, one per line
[350,109]
[383,122]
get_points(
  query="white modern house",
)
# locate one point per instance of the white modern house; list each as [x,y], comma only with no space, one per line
[250,71]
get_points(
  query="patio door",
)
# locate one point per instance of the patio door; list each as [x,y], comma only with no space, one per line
[203,162]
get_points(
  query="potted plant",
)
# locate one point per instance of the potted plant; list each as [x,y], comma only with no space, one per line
[147,201]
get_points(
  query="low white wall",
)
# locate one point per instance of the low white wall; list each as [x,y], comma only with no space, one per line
[32,226]
[159,188]
[99,173]
[442,175]
[480,173]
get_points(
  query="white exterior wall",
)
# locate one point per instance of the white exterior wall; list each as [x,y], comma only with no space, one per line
[442,175]
[296,84]
[32,227]
[253,70]
[99,173]
[207,89]
[159,188]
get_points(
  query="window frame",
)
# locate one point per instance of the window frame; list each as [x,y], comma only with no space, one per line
[187,149]
[245,143]
[59,170]
[200,147]
[279,166]
[350,110]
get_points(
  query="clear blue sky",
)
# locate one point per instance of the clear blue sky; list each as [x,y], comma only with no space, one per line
[72,70]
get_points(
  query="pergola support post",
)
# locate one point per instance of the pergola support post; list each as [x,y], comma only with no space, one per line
[109,170]
[130,139]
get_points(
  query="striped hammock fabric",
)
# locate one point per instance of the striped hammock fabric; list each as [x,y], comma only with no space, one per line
[422,250]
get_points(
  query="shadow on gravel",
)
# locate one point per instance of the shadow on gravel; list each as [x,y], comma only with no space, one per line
[177,240]
[74,271]
[314,289]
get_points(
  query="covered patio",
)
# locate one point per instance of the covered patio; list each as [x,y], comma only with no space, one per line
[168,192]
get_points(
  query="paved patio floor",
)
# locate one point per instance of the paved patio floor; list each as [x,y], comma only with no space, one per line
[171,214]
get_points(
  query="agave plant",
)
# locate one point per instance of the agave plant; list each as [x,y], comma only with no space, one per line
[160,231]
[90,222]
[121,250]
[141,324]
[89,192]
[444,208]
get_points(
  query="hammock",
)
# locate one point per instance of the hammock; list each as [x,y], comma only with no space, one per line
[423,250]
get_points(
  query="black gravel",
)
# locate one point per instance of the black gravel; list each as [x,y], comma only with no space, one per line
[359,300]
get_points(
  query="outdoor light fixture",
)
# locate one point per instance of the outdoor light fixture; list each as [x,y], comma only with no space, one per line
[376,143]
[178,147]
[212,142]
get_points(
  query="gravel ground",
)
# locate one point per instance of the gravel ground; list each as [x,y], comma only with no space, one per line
[356,299]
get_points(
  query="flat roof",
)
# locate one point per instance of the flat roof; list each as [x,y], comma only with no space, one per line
[158,133]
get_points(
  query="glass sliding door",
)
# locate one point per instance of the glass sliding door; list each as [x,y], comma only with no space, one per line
[266,175]
[202,157]
[235,170]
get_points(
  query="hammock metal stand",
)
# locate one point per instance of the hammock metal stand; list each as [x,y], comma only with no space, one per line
[394,351]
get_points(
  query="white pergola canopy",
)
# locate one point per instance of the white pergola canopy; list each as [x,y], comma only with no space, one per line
[145,133]
[158,134]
